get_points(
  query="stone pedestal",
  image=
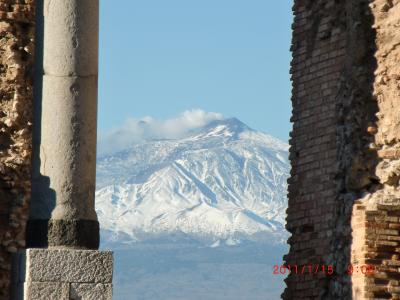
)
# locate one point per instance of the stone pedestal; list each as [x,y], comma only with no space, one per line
[62,274]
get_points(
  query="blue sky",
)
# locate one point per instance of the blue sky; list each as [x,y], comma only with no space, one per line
[161,58]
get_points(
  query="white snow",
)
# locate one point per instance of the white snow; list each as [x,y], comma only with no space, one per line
[223,181]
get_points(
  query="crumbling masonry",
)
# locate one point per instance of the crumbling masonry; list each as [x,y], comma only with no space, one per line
[17,19]
[344,197]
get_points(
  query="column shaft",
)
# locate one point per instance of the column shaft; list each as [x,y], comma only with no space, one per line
[62,209]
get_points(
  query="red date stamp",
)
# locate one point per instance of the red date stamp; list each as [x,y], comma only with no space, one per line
[303,269]
[328,270]
[361,270]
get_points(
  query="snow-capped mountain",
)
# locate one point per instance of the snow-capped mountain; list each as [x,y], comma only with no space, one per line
[224,181]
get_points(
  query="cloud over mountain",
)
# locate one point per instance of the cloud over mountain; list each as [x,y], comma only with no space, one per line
[135,130]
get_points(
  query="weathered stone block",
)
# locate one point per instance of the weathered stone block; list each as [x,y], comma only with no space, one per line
[83,266]
[63,274]
[91,291]
[46,290]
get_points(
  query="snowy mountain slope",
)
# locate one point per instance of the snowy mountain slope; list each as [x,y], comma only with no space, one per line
[223,181]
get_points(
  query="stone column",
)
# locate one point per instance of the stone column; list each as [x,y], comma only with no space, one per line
[63,225]
[62,207]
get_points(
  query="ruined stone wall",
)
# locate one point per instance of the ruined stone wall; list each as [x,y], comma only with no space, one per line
[319,49]
[16,94]
[333,107]
[376,215]
[344,199]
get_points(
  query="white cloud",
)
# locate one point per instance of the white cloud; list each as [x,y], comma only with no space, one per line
[136,130]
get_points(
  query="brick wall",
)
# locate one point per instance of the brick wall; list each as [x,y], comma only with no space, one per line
[319,48]
[333,106]
[16,73]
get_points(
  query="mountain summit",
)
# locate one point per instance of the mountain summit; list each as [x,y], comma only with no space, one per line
[222,181]
[227,127]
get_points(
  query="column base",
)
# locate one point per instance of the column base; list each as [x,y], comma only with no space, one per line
[62,274]
[78,234]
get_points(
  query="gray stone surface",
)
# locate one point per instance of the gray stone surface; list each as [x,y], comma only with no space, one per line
[76,234]
[63,274]
[68,145]
[90,291]
[65,127]
[79,266]
[71,37]
[46,291]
